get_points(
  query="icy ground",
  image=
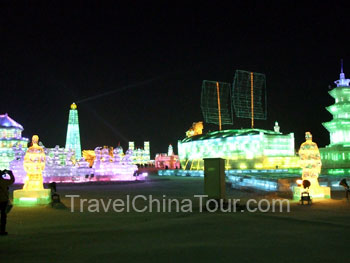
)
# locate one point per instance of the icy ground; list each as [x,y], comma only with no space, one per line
[317,233]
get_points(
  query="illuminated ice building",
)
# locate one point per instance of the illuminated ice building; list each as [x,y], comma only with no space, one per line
[140,156]
[102,164]
[63,164]
[167,161]
[112,165]
[337,153]
[242,149]
[60,166]
[10,136]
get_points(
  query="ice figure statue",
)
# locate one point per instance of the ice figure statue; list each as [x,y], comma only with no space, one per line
[69,157]
[105,155]
[55,159]
[83,169]
[127,159]
[116,156]
[34,165]
[59,166]
[128,168]
[19,153]
[33,190]
[106,161]
[105,168]
[170,150]
[97,162]
[310,162]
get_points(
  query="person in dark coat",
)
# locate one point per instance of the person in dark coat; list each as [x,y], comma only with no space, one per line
[4,198]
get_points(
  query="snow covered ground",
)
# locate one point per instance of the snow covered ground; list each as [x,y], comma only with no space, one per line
[317,233]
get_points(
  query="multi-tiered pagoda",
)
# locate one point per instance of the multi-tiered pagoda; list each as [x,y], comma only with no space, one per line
[337,153]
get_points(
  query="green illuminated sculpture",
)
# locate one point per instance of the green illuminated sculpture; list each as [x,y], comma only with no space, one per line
[242,149]
[73,134]
[337,153]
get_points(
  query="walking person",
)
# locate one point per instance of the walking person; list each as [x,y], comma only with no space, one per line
[4,198]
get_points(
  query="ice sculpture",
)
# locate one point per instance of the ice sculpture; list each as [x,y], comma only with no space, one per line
[16,166]
[73,134]
[33,191]
[109,166]
[61,166]
[83,170]
[167,161]
[10,136]
[196,129]
[310,162]
[336,155]
[140,156]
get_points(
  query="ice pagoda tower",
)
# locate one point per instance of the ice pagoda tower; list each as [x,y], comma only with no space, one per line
[337,153]
[73,134]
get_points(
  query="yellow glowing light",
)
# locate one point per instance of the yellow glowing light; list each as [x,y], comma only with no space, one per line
[28,199]
[299,182]
[219,107]
[252,96]
[73,106]
[259,166]
[33,189]
[310,162]
[89,156]
[34,165]
[196,129]
[192,164]
[243,166]
[281,162]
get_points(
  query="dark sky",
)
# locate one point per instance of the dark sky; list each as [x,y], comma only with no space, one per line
[56,52]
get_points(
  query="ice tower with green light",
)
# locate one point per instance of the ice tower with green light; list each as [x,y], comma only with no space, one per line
[337,153]
[73,134]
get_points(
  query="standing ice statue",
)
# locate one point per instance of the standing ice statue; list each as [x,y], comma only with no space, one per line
[310,162]
[127,158]
[116,155]
[33,190]
[34,165]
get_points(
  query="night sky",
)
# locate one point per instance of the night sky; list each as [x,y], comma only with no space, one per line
[150,61]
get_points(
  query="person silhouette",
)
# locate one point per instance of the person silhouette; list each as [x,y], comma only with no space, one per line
[4,198]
